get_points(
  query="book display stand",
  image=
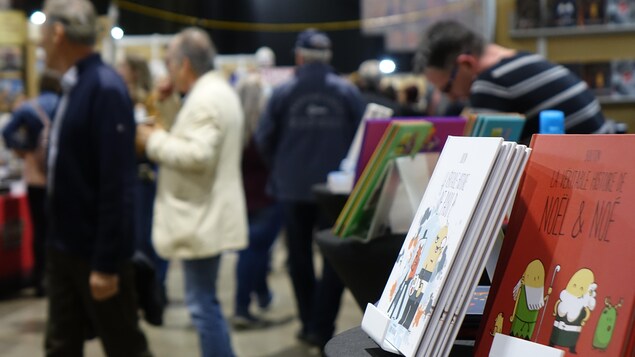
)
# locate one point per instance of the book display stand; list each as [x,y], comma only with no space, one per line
[512,346]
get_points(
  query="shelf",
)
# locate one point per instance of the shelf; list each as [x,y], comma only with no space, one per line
[607,99]
[606,29]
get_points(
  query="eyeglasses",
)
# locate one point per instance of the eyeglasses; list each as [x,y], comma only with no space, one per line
[448,85]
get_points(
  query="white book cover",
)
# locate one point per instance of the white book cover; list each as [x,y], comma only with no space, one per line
[475,259]
[482,217]
[435,234]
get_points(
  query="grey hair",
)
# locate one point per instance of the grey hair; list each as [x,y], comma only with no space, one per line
[78,18]
[195,44]
[311,56]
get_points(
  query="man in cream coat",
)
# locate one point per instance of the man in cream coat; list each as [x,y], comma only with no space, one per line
[199,210]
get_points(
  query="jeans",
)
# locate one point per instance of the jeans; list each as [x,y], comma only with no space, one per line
[205,310]
[318,302]
[253,261]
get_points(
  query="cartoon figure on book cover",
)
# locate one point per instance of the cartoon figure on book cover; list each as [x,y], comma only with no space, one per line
[498,324]
[606,325]
[425,275]
[396,303]
[573,309]
[528,294]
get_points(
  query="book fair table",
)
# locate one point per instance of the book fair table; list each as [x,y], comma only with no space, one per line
[356,343]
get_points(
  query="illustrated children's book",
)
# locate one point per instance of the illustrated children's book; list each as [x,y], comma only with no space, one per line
[443,127]
[565,274]
[403,138]
[508,126]
[442,219]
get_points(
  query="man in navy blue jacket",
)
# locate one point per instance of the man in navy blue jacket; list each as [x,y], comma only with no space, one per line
[304,133]
[91,171]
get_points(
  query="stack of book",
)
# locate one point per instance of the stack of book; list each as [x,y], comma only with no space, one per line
[446,248]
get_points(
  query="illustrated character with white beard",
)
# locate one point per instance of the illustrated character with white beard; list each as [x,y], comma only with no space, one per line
[573,309]
[528,294]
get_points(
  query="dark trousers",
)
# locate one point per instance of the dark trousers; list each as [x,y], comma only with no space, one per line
[72,311]
[318,301]
[36,196]
[253,262]
[145,191]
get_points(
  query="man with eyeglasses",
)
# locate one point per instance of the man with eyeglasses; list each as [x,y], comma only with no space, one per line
[493,78]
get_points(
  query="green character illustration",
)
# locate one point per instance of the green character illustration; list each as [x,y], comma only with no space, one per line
[528,294]
[606,325]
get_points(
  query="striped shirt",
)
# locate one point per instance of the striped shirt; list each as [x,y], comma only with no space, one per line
[527,83]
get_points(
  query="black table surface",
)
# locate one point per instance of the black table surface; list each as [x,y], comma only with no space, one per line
[356,343]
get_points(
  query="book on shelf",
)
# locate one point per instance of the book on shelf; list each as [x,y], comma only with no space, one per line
[598,77]
[528,14]
[623,78]
[620,11]
[402,138]
[461,210]
[562,13]
[593,12]
[564,277]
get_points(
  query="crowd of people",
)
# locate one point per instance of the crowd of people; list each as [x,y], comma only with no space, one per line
[124,175]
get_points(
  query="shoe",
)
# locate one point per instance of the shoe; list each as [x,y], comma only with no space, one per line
[312,340]
[265,302]
[247,322]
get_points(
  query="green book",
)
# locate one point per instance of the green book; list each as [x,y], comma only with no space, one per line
[402,138]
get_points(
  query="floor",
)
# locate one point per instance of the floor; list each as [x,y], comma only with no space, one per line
[22,319]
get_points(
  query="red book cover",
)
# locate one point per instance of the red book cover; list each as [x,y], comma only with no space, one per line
[565,274]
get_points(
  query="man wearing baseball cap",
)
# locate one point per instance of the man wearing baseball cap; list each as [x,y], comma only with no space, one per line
[304,133]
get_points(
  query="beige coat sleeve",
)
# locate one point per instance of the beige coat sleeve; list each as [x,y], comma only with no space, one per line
[194,148]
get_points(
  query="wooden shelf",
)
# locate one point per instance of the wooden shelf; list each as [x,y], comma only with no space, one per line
[606,29]
[616,99]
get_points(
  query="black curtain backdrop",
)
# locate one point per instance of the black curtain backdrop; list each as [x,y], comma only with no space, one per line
[350,47]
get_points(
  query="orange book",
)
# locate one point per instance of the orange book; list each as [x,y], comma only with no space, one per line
[565,274]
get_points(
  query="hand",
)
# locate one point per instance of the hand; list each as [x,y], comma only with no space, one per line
[144,131]
[103,286]
[164,88]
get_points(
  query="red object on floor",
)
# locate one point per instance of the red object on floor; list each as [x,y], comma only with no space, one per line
[16,235]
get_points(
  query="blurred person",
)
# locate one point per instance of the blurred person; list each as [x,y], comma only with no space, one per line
[304,133]
[199,210]
[91,172]
[369,83]
[264,215]
[463,65]
[27,135]
[150,269]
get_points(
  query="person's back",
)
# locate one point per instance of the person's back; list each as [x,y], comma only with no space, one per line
[318,113]
[305,132]
[527,83]
[461,64]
